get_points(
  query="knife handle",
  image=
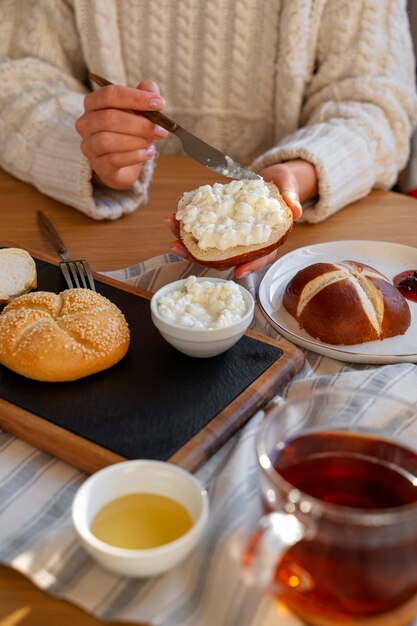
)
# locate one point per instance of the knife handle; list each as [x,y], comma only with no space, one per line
[155,116]
[47,227]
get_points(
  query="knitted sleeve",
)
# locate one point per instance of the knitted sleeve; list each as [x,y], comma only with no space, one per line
[40,99]
[360,104]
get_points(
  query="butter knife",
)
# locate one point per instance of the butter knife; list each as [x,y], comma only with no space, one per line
[193,146]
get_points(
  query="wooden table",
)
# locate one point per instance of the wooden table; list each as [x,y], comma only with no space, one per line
[112,245]
[142,234]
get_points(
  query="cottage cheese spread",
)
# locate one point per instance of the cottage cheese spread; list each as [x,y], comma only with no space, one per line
[203,304]
[242,212]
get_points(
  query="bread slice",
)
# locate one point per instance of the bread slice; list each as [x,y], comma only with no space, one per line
[236,255]
[17,273]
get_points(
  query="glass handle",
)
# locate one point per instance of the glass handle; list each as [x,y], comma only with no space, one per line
[276,532]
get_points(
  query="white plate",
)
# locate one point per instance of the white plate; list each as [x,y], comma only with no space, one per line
[389,258]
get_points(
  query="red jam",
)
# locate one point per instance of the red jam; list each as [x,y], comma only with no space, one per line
[406,283]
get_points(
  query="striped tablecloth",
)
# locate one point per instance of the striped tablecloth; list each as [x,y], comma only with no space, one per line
[36,492]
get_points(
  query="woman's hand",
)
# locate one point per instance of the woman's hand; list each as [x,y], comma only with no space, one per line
[116,142]
[296,181]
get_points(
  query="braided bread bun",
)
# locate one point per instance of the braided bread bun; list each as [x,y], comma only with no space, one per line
[61,337]
[346,303]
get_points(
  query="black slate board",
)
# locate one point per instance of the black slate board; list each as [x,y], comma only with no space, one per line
[151,403]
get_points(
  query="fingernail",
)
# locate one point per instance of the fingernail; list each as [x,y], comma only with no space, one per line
[160,132]
[298,209]
[156,103]
[150,152]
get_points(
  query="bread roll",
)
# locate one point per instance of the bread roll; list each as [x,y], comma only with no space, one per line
[17,273]
[61,337]
[346,303]
[226,225]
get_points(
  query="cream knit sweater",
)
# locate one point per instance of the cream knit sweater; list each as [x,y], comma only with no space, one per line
[329,81]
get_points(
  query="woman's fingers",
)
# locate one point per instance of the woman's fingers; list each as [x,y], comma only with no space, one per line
[116,121]
[119,120]
[296,180]
[284,178]
[149,85]
[178,248]
[106,143]
[172,223]
[291,198]
[109,109]
[121,178]
[115,160]
[108,152]
[253,266]
[119,97]
[115,141]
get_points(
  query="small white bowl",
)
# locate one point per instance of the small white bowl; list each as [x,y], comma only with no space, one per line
[136,476]
[199,342]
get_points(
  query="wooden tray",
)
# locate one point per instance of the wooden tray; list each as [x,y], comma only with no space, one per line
[156,403]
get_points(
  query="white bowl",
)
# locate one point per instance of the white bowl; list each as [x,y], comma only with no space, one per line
[201,342]
[132,477]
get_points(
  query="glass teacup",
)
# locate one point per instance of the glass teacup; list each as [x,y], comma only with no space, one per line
[338,541]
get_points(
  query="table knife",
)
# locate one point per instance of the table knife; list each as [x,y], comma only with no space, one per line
[193,146]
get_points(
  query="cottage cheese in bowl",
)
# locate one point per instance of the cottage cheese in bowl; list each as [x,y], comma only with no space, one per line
[203,304]
[202,316]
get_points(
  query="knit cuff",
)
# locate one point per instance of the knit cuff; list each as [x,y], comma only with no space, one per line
[62,172]
[342,161]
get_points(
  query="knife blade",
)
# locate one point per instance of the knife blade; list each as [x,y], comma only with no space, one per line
[195,147]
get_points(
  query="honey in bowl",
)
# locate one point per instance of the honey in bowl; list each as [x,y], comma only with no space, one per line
[140,521]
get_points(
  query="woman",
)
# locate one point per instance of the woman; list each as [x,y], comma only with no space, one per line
[315,95]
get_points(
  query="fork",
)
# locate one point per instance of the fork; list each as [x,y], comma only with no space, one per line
[77,273]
